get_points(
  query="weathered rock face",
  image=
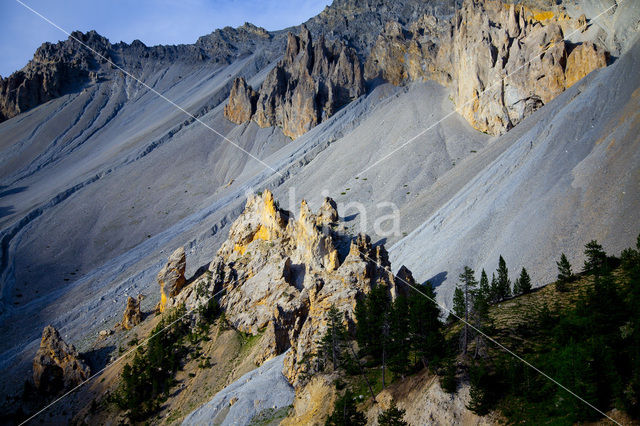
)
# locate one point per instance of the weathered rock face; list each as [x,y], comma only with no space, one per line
[307,86]
[582,60]
[171,278]
[57,365]
[53,70]
[242,102]
[502,62]
[132,315]
[60,68]
[281,275]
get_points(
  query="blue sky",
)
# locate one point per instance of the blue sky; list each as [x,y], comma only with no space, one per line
[153,22]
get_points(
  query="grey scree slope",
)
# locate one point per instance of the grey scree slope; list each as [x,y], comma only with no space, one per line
[260,389]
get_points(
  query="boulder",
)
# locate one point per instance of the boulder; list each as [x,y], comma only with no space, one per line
[57,365]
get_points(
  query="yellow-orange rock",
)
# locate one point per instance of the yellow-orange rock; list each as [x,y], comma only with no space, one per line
[582,60]
[132,314]
[242,102]
[171,277]
[57,366]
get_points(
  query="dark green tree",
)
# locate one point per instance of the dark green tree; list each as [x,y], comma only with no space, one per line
[522,284]
[494,290]
[484,288]
[392,417]
[468,284]
[399,344]
[425,327]
[458,303]
[596,258]
[333,344]
[480,395]
[448,380]
[345,412]
[564,273]
[481,319]
[503,282]
[372,319]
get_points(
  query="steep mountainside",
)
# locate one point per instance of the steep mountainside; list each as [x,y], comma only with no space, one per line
[101,178]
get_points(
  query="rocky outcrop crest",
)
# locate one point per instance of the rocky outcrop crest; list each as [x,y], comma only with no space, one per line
[281,274]
[171,278]
[242,102]
[57,365]
[132,314]
[66,66]
[306,87]
[502,62]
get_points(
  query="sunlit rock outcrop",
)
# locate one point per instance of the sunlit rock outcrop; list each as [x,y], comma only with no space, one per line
[57,365]
[306,87]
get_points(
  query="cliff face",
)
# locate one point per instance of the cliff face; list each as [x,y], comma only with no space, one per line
[281,275]
[53,70]
[501,62]
[306,87]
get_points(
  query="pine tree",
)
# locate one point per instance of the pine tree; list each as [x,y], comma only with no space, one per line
[469,283]
[504,284]
[392,417]
[484,288]
[479,397]
[370,314]
[524,281]
[458,303]
[481,302]
[334,341]
[516,287]
[596,257]
[399,345]
[564,273]
[495,291]
[425,327]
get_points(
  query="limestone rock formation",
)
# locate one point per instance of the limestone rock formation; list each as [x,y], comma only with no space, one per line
[242,102]
[582,60]
[53,70]
[57,366]
[501,62]
[171,277]
[307,86]
[281,274]
[132,315]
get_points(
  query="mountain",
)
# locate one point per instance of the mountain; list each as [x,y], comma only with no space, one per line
[450,132]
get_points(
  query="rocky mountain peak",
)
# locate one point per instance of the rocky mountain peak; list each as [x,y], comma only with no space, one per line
[57,365]
[307,86]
